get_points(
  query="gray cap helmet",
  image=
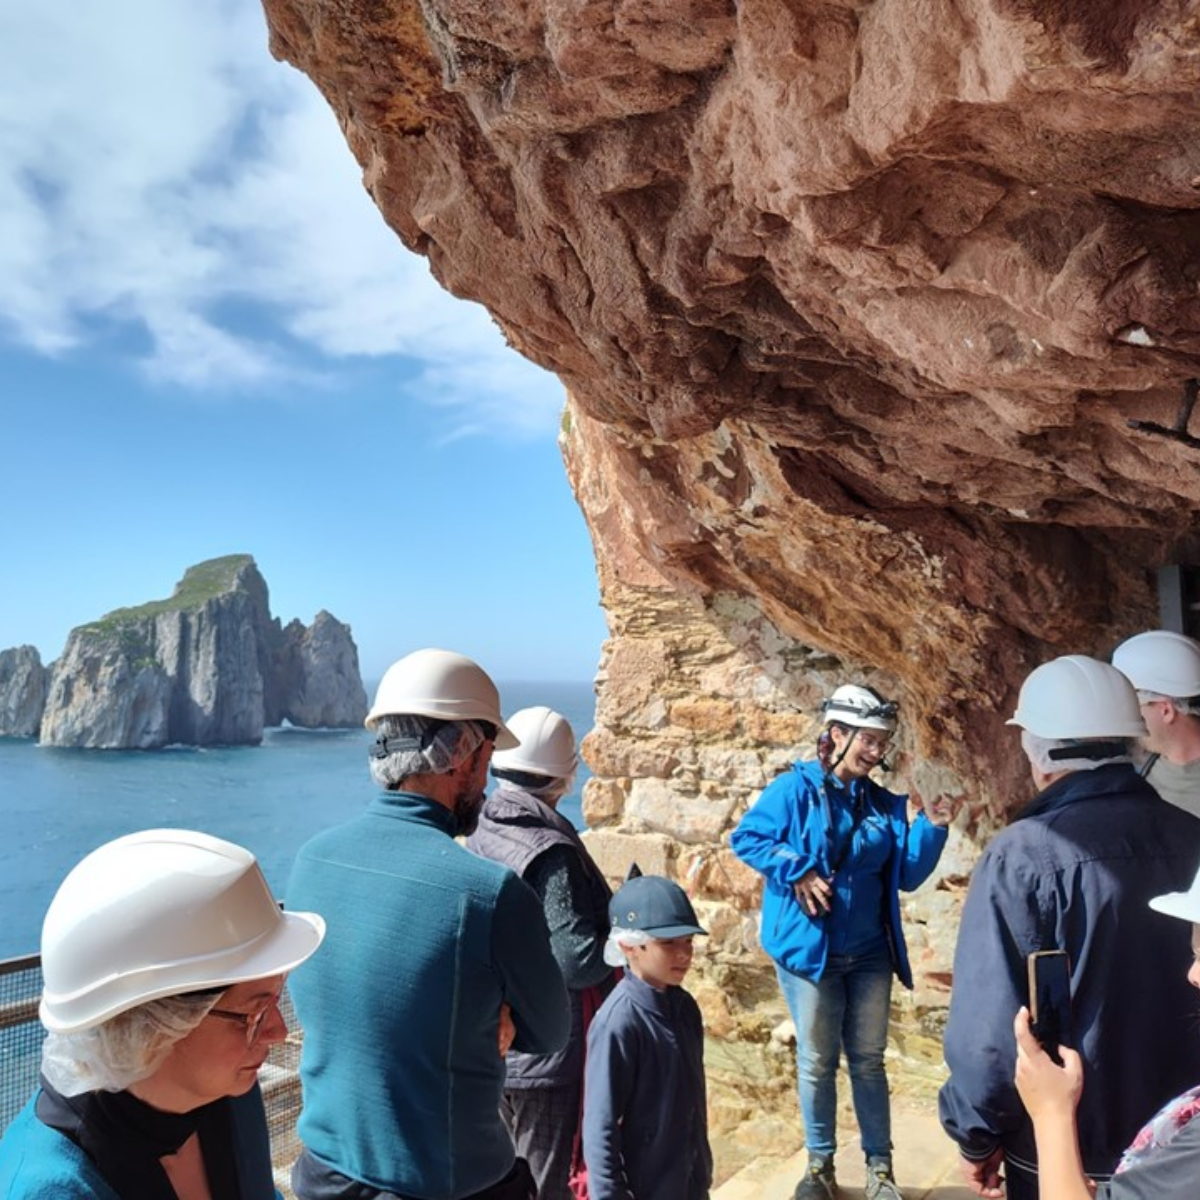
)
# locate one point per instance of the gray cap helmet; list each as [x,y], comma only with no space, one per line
[654,906]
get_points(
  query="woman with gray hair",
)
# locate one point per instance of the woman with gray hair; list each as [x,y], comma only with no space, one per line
[163,958]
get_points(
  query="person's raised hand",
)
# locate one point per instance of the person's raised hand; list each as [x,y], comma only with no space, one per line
[1045,1087]
[941,810]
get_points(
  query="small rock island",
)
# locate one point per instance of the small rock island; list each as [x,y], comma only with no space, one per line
[209,666]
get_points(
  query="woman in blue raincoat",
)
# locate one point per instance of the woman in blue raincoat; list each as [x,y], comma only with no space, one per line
[835,849]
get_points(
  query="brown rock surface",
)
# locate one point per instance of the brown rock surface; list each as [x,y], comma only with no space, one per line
[854,302]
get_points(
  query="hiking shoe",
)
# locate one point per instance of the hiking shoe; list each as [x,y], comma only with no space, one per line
[881,1183]
[818,1182]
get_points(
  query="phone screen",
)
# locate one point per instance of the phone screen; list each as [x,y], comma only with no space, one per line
[1050,1000]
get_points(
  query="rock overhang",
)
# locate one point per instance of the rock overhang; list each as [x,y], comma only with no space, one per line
[854,306]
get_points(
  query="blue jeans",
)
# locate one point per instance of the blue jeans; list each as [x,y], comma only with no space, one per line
[848,1008]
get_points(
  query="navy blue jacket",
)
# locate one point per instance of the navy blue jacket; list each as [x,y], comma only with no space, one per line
[645,1126]
[1075,872]
[787,833]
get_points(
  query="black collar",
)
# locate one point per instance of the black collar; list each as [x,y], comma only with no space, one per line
[126,1138]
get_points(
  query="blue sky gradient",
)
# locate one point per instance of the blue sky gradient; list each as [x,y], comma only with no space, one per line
[210,343]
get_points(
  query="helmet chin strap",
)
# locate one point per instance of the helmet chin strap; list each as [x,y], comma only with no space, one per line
[836,762]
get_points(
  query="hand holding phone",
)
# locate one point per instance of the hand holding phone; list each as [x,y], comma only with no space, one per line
[1050,1001]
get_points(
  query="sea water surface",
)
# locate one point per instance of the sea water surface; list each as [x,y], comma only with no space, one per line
[56,805]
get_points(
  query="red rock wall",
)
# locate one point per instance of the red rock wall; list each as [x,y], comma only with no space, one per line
[855,303]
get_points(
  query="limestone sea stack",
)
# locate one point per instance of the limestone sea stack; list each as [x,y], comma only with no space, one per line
[22,691]
[208,666]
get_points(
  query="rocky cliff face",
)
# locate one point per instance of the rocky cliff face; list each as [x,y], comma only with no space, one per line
[22,691]
[878,321]
[855,302]
[209,666]
[315,675]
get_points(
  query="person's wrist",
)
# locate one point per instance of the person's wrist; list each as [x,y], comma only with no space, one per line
[1056,1118]
[973,1154]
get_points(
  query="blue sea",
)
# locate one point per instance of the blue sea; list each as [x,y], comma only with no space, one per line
[56,805]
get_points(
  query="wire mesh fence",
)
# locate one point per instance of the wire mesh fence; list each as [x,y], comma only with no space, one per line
[21,1035]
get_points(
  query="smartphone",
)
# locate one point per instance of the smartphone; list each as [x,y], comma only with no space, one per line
[1050,1000]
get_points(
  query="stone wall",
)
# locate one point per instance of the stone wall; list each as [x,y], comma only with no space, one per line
[702,698]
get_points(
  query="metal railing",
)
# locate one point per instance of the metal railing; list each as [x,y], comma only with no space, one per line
[21,1036]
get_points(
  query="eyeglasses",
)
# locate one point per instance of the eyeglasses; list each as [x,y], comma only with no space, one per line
[869,741]
[251,1022]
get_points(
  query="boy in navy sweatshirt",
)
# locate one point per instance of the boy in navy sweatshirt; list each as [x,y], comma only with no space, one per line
[645,1126]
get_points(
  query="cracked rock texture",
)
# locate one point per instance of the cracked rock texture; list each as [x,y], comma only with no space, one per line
[854,303]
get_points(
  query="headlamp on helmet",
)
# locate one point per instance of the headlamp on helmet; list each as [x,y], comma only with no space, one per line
[861,708]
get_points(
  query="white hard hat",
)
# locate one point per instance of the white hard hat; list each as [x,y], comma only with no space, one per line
[1161,661]
[1078,697]
[160,913]
[860,708]
[443,685]
[547,744]
[1181,904]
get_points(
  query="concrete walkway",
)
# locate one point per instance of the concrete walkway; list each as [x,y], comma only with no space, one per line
[926,1163]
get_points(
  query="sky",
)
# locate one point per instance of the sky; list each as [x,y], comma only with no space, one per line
[211,343]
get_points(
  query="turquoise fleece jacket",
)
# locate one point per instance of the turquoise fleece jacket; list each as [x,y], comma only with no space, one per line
[401,1071]
[785,835]
[39,1163]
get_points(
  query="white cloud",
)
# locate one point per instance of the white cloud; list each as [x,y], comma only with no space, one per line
[158,170]
[489,395]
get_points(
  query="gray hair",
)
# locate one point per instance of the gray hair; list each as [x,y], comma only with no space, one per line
[613,954]
[125,1048]
[547,788]
[410,745]
[1038,751]
[1189,706]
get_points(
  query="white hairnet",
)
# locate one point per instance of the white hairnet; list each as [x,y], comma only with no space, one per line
[410,745]
[613,954]
[125,1048]
[1037,750]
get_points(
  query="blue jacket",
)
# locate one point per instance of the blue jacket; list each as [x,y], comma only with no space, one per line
[786,834]
[645,1126]
[39,1163]
[401,1072]
[1075,872]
